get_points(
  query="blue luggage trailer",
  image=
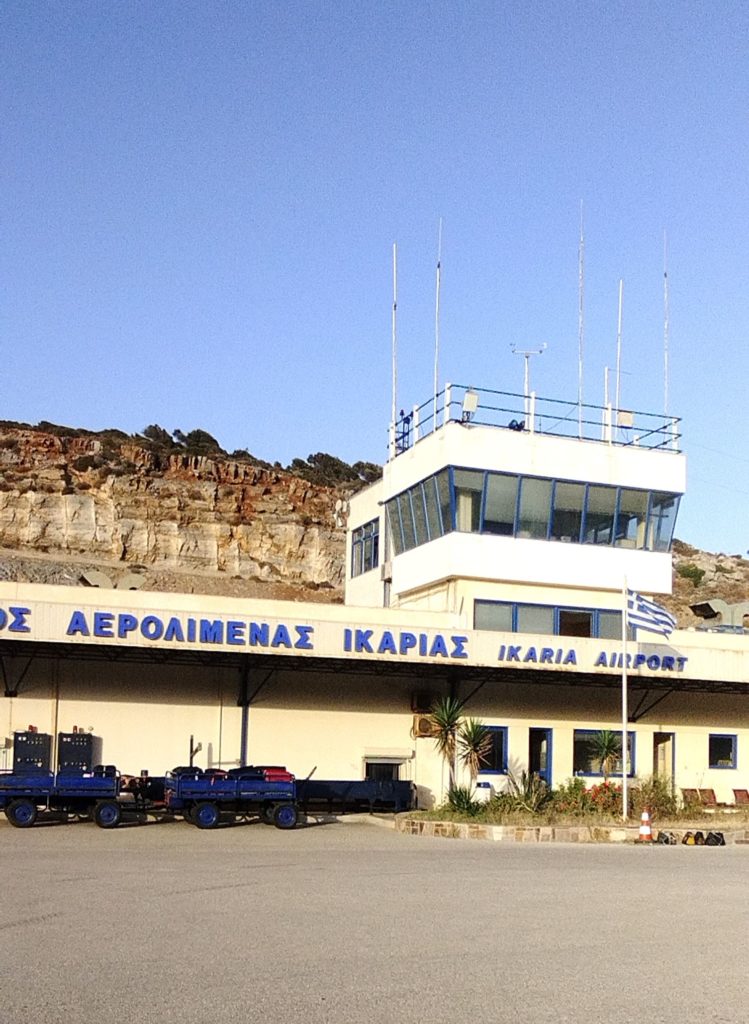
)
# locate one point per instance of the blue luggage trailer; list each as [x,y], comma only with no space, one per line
[204,797]
[23,795]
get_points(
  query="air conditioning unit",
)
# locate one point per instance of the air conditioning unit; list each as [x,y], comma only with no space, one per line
[421,702]
[423,727]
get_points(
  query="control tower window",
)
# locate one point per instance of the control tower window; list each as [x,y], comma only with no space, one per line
[535,503]
[631,518]
[567,517]
[407,521]
[661,521]
[469,486]
[599,514]
[431,500]
[501,502]
[443,491]
[420,514]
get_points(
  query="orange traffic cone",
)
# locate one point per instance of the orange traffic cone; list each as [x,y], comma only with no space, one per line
[646,833]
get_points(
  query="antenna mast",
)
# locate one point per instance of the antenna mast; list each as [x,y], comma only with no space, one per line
[394,338]
[437,324]
[666,324]
[580,323]
[619,350]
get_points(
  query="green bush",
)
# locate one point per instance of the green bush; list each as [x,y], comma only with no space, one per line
[460,799]
[691,572]
[654,794]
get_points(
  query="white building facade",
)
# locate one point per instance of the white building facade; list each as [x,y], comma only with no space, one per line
[489,562]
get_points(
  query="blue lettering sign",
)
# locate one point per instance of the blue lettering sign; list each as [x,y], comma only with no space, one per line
[211,631]
[78,624]
[125,624]
[103,624]
[152,627]
[259,634]
[438,648]
[459,650]
[361,641]
[387,644]
[174,630]
[18,622]
[304,643]
[281,637]
[235,632]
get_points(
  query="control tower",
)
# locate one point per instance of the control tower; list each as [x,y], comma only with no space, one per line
[517,513]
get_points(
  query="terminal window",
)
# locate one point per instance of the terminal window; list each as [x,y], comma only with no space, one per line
[722,750]
[589,747]
[365,548]
[547,620]
[495,759]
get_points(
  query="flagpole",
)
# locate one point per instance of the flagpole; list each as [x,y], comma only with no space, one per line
[624,702]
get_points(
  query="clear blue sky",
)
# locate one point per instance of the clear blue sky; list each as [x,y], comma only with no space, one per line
[198,203]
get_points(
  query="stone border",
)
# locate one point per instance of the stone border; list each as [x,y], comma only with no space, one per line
[542,833]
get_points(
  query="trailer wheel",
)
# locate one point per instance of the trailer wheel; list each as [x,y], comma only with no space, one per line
[205,815]
[21,813]
[189,815]
[267,814]
[107,814]
[285,816]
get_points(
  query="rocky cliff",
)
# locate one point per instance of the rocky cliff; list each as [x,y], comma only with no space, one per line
[73,503]
[69,503]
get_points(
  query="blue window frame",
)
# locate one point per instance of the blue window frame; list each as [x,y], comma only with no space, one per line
[495,761]
[365,548]
[539,508]
[722,750]
[585,760]
[510,617]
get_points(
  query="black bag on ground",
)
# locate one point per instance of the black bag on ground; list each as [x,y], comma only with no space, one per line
[715,839]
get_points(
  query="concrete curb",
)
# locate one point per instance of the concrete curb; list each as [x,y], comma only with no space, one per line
[542,833]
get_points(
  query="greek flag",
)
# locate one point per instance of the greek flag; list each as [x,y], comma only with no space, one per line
[645,614]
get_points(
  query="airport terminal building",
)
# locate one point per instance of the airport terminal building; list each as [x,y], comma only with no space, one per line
[490,562]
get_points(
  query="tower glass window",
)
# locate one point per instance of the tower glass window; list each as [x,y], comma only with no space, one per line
[501,502]
[469,486]
[535,502]
[600,509]
[567,517]
[631,518]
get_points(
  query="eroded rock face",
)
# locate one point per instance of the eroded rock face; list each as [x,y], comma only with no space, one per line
[77,496]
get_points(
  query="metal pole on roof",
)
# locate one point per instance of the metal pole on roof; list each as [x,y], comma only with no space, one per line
[624,701]
[394,406]
[437,327]
[580,323]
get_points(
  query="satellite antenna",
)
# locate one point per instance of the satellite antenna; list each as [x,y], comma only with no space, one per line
[580,322]
[437,324]
[526,354]
[666,324]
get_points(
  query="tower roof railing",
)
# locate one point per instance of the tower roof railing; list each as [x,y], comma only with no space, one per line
[532,414]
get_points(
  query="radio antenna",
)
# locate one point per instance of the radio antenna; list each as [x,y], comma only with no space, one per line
[580,322]
[437,324]
[394,334]
[619,350]
[666,324]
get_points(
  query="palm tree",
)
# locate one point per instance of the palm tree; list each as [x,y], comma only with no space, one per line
[445,715]
[474,744]
[606,748]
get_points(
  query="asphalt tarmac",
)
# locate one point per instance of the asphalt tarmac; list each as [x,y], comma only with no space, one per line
[355,924]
